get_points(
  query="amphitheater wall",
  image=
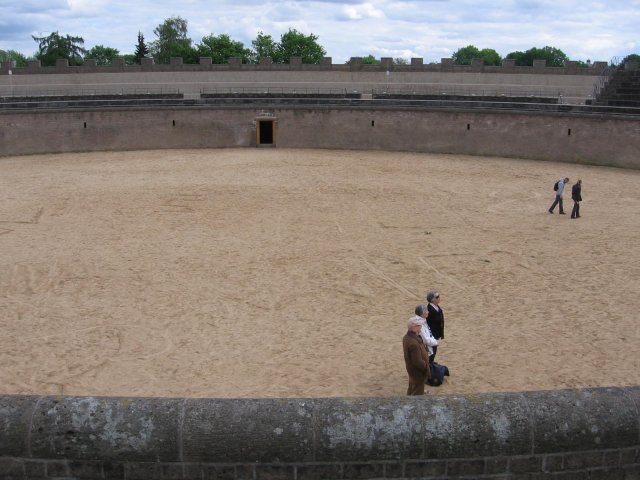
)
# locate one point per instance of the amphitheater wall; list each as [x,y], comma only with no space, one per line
[597,140]
[586,433]
[573,86]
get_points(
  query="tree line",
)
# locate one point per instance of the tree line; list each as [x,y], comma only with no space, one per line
[172,40]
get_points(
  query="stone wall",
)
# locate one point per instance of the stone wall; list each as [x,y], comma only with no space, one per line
[572,83]
[587,433]
[583,138]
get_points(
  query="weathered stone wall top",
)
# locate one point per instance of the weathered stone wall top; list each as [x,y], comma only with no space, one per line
[319,430]
[355,64]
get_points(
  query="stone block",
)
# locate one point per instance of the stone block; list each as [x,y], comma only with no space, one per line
[35,469]
[393,470]
[318,471]
[113,471]
[219,472]
[465,467]
[629,456]
[11,467]
[261,430]
[425,468]
[369,429]
[142,470]
[582,460]
[57,468]
[476,426]
[15,417]
[274,472]
[105,428]
[525,464]
[86,470]
[582,420]
[553,463]
[496,465]
[363,470]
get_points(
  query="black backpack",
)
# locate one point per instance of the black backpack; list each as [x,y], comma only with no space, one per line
[555,186]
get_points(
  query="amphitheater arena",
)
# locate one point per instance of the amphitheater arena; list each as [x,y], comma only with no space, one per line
[206,270]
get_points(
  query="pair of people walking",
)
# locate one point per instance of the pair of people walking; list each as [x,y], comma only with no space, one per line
[420,345]
[576,196]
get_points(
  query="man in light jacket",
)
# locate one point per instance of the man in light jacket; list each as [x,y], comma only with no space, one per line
[558,201]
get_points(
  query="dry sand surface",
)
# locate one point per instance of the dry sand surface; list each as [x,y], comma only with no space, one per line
[292,273]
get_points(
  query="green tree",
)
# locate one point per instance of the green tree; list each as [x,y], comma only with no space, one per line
[490,57]
[264,46]
[141,49]
[368,60]
[172,42]
[130,59]
[221,48]
[18,59]
[634,57]
[554,56]
[54,46]
[464,55]
[296,44]
[102,55]
[400,61]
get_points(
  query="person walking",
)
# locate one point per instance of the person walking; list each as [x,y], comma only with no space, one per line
[422,312]
[558,201]
[435,318]
[416,358]
[576,196]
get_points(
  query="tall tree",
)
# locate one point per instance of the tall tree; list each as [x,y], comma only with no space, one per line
[264,46]
[17,59]
[554,56]
[221,48]
[141,49]
[464,55]
[54,46]
[102,55]
[296,44]
[368,60]
[172,41]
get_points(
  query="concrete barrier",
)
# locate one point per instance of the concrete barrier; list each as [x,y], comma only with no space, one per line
[585,433]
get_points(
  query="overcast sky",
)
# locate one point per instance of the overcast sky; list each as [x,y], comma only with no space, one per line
[431,29]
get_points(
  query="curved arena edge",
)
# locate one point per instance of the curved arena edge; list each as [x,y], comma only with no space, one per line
[582,433]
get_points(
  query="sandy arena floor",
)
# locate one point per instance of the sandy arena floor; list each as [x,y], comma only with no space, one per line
[292,273]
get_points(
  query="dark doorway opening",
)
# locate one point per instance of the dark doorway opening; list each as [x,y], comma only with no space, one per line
[265,132]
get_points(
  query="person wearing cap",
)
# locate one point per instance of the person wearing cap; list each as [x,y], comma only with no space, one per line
[558,201]
[416,357]
[435,318]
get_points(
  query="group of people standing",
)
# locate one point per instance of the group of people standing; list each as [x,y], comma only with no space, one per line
[420,344]
[576,196]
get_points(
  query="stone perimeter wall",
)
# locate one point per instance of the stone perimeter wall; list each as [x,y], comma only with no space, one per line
[567,434]
[590,139]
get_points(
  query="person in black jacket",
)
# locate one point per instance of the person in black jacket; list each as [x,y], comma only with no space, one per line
[435,319]
[576,196]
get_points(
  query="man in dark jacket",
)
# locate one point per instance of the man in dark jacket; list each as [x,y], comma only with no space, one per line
[416,358]
[576,196]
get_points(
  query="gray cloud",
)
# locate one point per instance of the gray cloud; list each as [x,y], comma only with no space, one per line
[431,29]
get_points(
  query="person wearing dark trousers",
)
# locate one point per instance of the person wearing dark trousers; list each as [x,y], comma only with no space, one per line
[416,358]
[558,201]
[576,196]
[435,319]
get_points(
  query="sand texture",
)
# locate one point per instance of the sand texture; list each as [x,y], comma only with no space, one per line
[292,273]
